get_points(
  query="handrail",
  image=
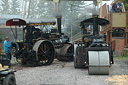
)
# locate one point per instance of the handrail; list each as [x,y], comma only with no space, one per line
[108,16]
[77,36]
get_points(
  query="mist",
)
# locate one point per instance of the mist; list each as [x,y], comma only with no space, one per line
[39,9]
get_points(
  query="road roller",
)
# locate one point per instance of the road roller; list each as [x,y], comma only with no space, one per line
[32,49]
[92,51]
[63,47]
[41,42]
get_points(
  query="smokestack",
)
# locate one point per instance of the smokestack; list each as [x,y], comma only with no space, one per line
[59,23]
[95,25]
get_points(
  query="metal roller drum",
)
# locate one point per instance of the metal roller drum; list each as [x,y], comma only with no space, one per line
[75,46]
[65,53]
[99,62]
[44,52]
[75,56]
[79,58]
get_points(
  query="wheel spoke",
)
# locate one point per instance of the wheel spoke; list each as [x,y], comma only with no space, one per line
[48,56]
[40,53]
[44,46]
[48,50]
[45,52]
[41,49]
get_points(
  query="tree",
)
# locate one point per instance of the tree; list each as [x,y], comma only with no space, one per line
[126,4]
[5,7]
[40,8]
[15,7]
[44,9]
[48,10]
[76,11]
[34,9]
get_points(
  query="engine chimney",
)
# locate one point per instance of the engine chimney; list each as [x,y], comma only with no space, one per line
[59,23]
[95,25]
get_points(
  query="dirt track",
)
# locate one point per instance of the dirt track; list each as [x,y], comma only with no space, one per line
[63,73]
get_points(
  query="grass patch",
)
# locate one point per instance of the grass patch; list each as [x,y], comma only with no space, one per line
[123,56]
[120,57]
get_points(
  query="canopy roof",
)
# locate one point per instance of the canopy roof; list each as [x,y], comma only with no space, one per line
[31,22]
[101,21]
[15,22]
[38,22]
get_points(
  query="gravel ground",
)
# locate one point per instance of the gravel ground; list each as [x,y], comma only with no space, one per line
[63,73]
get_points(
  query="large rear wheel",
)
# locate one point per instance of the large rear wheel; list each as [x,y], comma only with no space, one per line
[44,52]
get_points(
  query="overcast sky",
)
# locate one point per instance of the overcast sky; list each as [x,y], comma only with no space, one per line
[88,2]
[108,2]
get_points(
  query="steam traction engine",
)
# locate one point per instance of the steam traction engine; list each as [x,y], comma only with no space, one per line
[38,47]
[63,47]
[30,51]
[93,52]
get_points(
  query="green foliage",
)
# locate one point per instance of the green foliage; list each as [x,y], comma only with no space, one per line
[1,37]
[126,6]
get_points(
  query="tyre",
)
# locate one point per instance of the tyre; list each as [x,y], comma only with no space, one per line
[75,59]
[9,80]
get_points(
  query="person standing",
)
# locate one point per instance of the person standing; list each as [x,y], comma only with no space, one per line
[7,48]
[84,30]
[114,7]
[84,33]
[119,7]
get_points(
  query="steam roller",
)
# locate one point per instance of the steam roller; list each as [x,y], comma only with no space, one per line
[92,51]
[31,51]
[65,53]
[63,47]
